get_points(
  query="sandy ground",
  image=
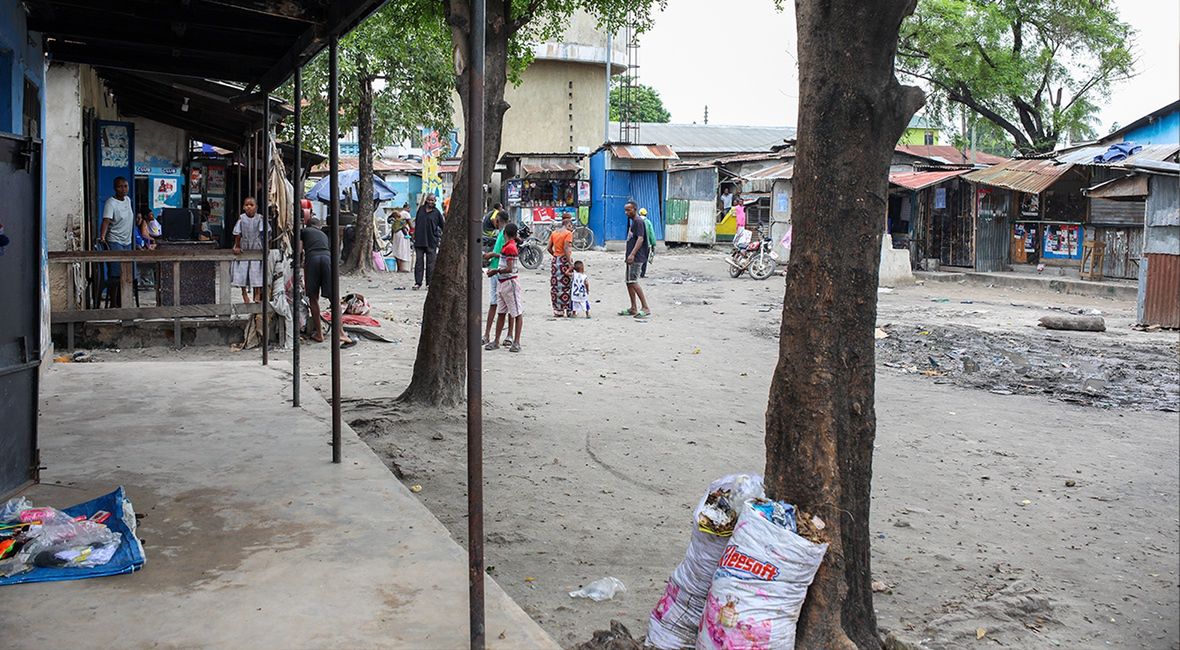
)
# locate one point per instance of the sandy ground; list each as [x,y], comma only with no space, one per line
[1033,494]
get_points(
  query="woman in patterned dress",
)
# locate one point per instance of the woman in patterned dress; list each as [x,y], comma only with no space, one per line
[561,247]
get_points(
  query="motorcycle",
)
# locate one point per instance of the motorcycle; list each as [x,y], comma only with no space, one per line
[757,257]
[532,253]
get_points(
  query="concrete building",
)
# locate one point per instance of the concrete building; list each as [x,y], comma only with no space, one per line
[921,131]
[559,105]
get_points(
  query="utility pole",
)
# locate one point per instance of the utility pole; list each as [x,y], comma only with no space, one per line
[606,109]
[706,114]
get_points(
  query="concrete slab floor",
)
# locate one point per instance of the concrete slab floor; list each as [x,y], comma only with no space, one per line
[253,538]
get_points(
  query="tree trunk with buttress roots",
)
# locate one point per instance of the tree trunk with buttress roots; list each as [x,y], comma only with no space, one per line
[820,421]
[440,365]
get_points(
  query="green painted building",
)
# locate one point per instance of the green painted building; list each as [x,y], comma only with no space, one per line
[921,131]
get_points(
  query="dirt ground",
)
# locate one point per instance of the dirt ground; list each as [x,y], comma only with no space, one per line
[1025,482]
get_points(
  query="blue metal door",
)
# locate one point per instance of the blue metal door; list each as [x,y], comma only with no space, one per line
[618,192]
[20,324]
[116,157]
[647,192]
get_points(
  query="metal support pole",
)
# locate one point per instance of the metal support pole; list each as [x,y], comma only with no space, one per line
[266,230]
[334,226]
[474,161]
[297,183]
[606,112]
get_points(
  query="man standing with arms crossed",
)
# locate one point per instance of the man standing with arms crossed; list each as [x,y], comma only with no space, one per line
[636,256]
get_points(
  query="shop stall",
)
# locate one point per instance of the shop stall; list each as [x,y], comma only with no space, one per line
[539,189]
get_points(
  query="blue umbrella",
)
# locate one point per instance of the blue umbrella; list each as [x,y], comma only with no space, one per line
[322,192]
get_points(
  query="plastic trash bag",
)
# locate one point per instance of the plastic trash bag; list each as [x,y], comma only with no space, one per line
[63,542]
[674,621]
[760,583]
[601,589]
[12,508]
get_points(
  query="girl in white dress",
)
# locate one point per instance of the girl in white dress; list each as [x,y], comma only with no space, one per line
[247,274]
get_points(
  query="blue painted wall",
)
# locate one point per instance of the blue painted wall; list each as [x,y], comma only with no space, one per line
[20,58]
[597,221]
[611,189]
[1165,130]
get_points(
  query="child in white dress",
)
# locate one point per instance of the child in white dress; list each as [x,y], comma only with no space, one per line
[580,289]
[247,274]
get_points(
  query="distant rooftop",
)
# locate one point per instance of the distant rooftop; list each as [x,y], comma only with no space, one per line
[922,122]
[698,139]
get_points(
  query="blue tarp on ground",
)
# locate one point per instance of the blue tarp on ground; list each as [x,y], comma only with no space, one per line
[128,558]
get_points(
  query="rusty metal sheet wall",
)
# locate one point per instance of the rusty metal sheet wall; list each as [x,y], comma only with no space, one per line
[952,233]
[1162,303]
[993,230]
[1117,213]
[1124,248]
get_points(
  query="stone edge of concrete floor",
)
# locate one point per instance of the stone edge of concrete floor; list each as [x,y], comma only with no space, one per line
[503,613]
[1116,290]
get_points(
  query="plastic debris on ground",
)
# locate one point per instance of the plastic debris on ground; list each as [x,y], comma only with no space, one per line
[676,617]
[761,581]
[601,589]
[40,544]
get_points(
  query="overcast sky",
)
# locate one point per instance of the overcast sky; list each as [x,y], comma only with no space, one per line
[740,62]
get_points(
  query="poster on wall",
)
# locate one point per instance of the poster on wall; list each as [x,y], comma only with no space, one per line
[512,192]
[116,146]
[165,192]
[216,210]
[1062,242]
[215,181]
[781,201]
[544,214]
[583,191]
[196,179]
[940,198]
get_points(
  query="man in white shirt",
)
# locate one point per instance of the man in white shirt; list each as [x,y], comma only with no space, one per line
[726,200]
[118,220]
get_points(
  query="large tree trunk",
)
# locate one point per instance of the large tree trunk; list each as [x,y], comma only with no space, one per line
[440,366]
[820,422]
[361,255]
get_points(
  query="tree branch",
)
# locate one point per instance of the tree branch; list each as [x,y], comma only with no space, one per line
[525,17]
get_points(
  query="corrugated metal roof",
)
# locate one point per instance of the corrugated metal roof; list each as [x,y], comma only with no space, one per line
[643,152]
[781,171]
[563,154]
[1034,175]
[549,167]
[380,166]
[1151,152]
[712,138]
[919,180]
[1023,175]
[948,154]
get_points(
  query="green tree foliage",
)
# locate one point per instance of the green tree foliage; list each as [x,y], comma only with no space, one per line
[1037,69]
[513,27]
[641,103]
[395,76]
